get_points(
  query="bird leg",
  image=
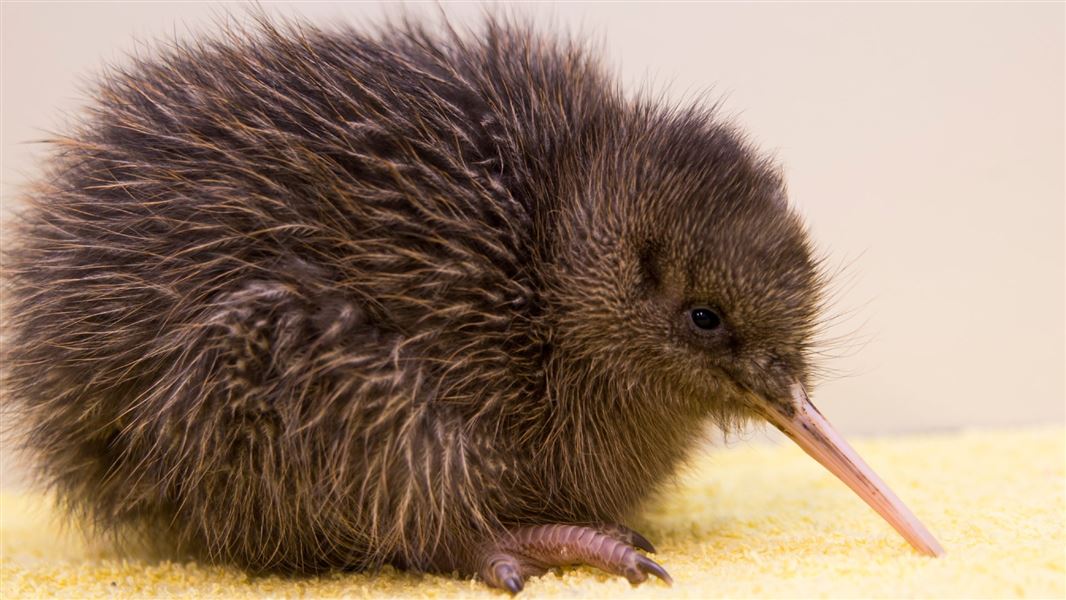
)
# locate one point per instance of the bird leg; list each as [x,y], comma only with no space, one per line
[533,550]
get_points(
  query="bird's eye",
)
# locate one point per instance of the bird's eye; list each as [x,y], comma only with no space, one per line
[705,318]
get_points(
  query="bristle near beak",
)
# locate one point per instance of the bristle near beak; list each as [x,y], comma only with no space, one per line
[800,421]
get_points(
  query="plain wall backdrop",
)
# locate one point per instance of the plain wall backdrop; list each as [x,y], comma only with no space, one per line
[924,143]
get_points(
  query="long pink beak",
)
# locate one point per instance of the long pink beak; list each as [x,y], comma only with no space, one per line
[808,428]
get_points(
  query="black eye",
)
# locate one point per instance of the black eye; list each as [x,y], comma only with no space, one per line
[705,318]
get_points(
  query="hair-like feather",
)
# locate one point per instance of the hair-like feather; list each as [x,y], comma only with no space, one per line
[301,299]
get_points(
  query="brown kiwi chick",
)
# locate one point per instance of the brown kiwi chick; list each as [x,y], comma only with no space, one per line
[300,300]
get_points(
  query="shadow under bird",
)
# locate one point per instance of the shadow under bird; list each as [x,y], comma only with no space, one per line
[299,300]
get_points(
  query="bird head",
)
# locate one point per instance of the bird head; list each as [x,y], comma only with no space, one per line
[690,277]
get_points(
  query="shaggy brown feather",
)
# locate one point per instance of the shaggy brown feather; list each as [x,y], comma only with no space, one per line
[300,299]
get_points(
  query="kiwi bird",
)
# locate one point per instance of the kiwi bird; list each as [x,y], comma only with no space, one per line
[298,299]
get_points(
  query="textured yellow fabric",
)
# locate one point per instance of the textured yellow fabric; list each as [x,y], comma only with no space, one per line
[745,521]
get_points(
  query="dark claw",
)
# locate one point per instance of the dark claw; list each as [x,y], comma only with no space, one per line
[504,573]
[627,535]
[642,542]
[513,583]
[650,566]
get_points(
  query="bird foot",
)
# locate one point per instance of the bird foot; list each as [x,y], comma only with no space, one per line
[533,550]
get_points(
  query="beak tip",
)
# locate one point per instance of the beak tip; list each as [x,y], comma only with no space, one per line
[934,549]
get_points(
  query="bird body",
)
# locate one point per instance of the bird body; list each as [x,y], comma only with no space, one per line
[299,299]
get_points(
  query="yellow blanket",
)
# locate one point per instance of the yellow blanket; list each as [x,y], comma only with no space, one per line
[747,521]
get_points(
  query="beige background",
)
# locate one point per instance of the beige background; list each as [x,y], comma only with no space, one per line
[924,144]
